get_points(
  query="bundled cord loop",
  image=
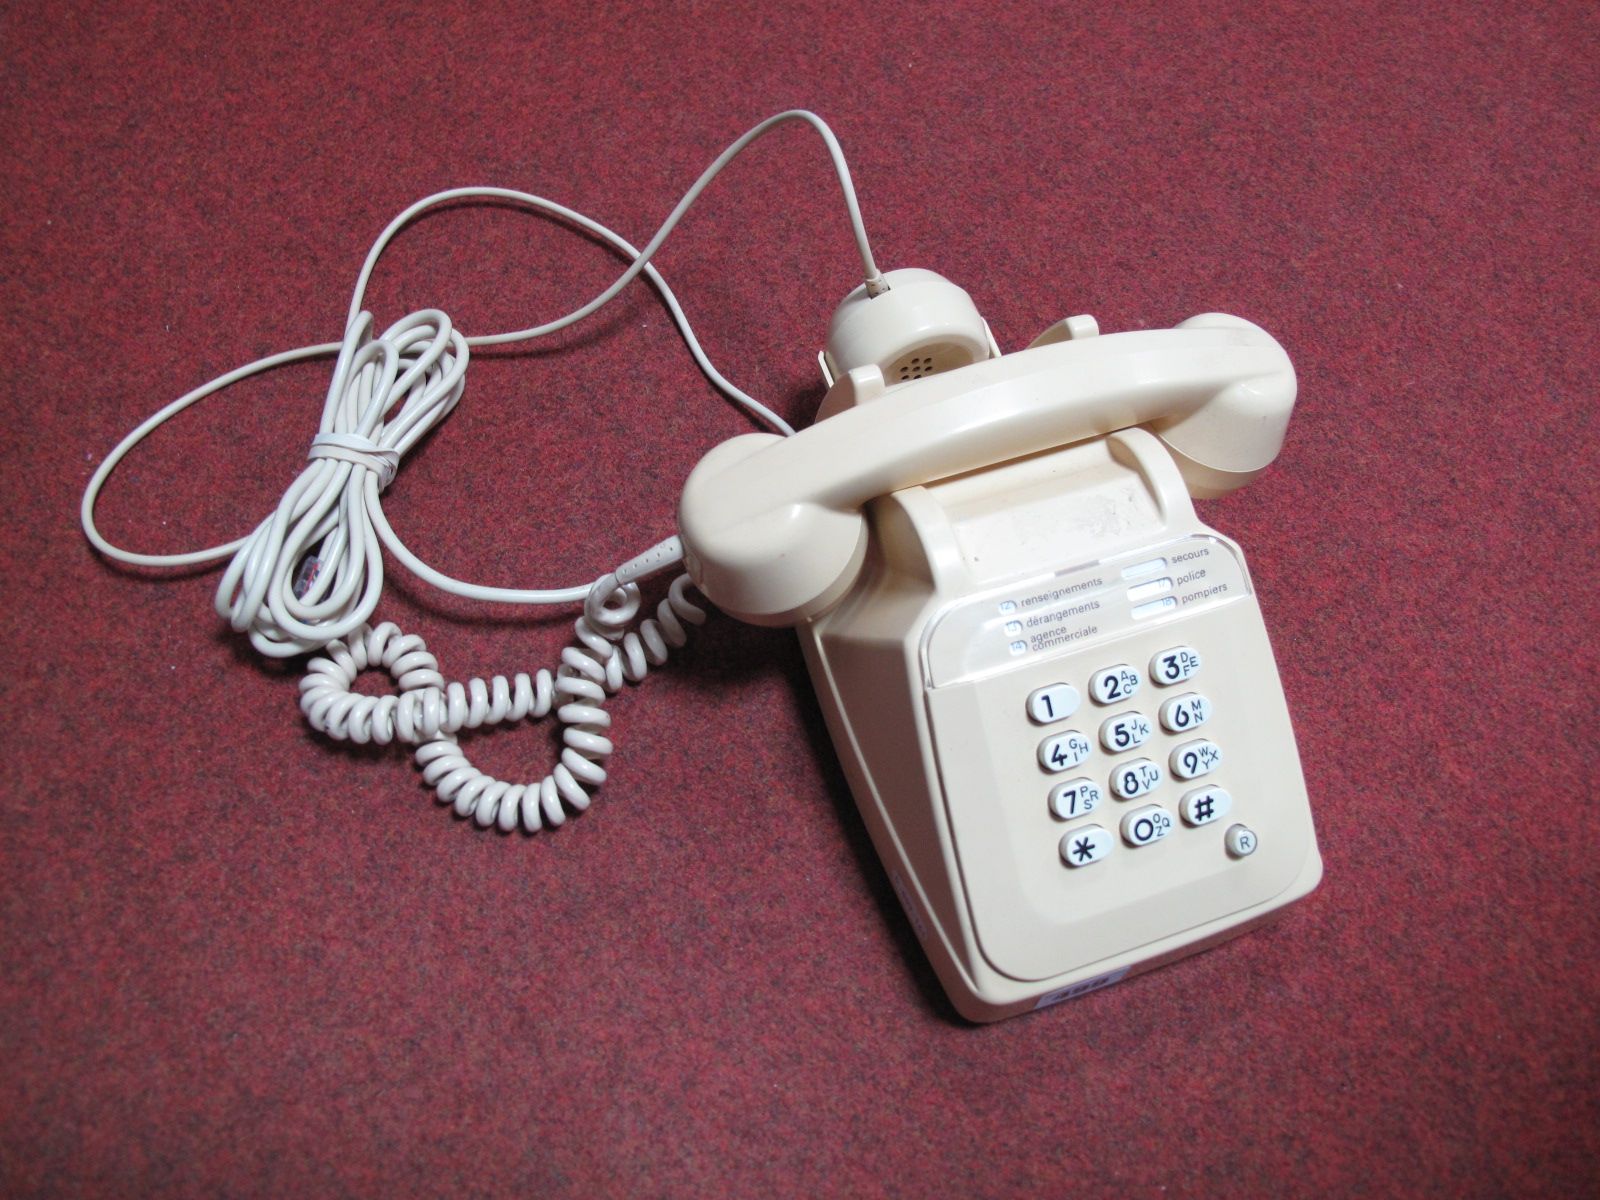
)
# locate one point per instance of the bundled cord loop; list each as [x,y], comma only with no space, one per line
[308,578]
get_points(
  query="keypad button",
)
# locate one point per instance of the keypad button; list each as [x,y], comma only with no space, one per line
[1240,840]
[1064,751]
[1128,731]
[1075,798]
[1194,759]
[1056,702]
[1205,805]
[1183,713]
[1135,778]
[1114,684]
[1175,665]
[1083,846]
[1145,825]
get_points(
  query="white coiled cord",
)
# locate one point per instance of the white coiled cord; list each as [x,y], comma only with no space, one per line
[429,712]
[310,575]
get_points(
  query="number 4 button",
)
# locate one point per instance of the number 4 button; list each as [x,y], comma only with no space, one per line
[1064,750]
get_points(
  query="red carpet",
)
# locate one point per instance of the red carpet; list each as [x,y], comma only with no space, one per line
[236,959]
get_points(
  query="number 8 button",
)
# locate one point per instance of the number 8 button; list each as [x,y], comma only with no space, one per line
[1135,778]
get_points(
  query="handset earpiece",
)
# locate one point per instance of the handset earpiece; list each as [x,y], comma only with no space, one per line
[922,325]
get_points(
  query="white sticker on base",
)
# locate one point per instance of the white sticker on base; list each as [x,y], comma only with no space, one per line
[1078,989]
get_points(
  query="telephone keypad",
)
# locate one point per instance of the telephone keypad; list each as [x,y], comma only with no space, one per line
[1122,733]
[1064,751]
[1133,779]
[1087,845]
[1056,702]
[1114,684]
[1146,825]
[1175,665]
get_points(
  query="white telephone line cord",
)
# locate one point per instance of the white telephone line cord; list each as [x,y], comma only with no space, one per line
[309,577]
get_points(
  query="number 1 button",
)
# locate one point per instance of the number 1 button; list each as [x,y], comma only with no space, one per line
[1056,702]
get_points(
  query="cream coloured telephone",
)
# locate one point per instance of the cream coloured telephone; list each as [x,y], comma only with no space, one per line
[1049,683]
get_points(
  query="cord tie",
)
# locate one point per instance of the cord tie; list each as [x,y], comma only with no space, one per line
[361,451]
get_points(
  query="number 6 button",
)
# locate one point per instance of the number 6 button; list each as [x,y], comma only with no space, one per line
[1183,713]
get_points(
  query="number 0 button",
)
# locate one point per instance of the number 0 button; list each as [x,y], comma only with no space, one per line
[1145,825]
[1064,751]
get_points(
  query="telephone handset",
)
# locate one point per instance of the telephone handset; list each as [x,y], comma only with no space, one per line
[1049,683]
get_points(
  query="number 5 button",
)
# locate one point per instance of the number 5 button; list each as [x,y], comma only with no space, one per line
[1126,732]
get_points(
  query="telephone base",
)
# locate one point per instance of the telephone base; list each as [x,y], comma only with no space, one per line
[1072,774]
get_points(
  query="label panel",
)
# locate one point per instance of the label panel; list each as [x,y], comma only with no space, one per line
[1079,606]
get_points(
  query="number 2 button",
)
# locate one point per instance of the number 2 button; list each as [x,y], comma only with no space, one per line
[1114,684]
